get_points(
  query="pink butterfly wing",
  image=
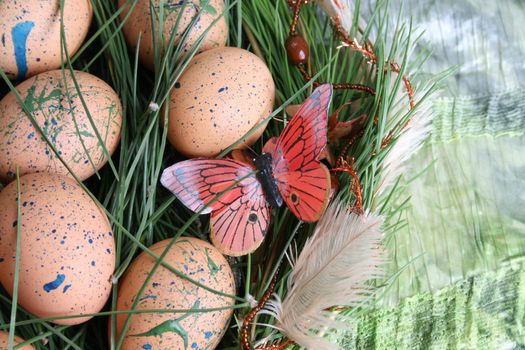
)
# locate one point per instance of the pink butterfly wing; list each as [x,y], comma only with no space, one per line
[304,183]
[239,228]
[197,182]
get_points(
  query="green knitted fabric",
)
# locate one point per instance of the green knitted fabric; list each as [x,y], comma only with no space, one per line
[466,212]
[467,184]
[497,114]
[460,256]
[482,312]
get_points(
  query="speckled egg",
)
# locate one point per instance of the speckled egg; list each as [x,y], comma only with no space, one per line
[67,248]
[221,96]
[30,34]
[58,110]
[4,341]
[139,22]
[201,262]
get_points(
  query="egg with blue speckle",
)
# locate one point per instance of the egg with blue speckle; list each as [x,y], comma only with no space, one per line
[4,342]
[223,94]
[206,15]
[67,250]
[83,140]
[30,34]
[188,328]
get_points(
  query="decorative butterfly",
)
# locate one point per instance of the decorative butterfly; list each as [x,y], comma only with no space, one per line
[288,169]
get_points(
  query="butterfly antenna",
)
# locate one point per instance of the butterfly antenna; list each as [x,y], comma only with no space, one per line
[251,149]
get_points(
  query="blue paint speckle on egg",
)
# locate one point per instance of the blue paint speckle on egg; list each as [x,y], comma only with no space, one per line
[93,263]
[155,284]
[90,241]
[20,32]
[30,135]
[66,287]
[177,85]
[48,287]
[154,297]
[208,334]
[194,346]
[186,267]
[147,346]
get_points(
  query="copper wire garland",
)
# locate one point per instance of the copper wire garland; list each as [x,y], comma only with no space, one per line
[245,342]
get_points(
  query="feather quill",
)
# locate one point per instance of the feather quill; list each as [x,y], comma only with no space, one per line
[332,270]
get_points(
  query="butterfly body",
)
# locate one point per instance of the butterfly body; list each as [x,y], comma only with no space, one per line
[263,164]
[239,196]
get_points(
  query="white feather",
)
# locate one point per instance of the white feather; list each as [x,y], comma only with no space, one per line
[408,143]
[332,270]
[342,9]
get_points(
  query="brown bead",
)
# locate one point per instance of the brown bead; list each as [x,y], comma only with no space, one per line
[297,49]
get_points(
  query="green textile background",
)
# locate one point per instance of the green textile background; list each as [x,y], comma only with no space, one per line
[462,252]
[482,312]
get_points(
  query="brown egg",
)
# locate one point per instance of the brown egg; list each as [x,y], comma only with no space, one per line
[200,261]
[140,22]
[64,121]
[221,96]
[30,34]
[4,341]
[67,249]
